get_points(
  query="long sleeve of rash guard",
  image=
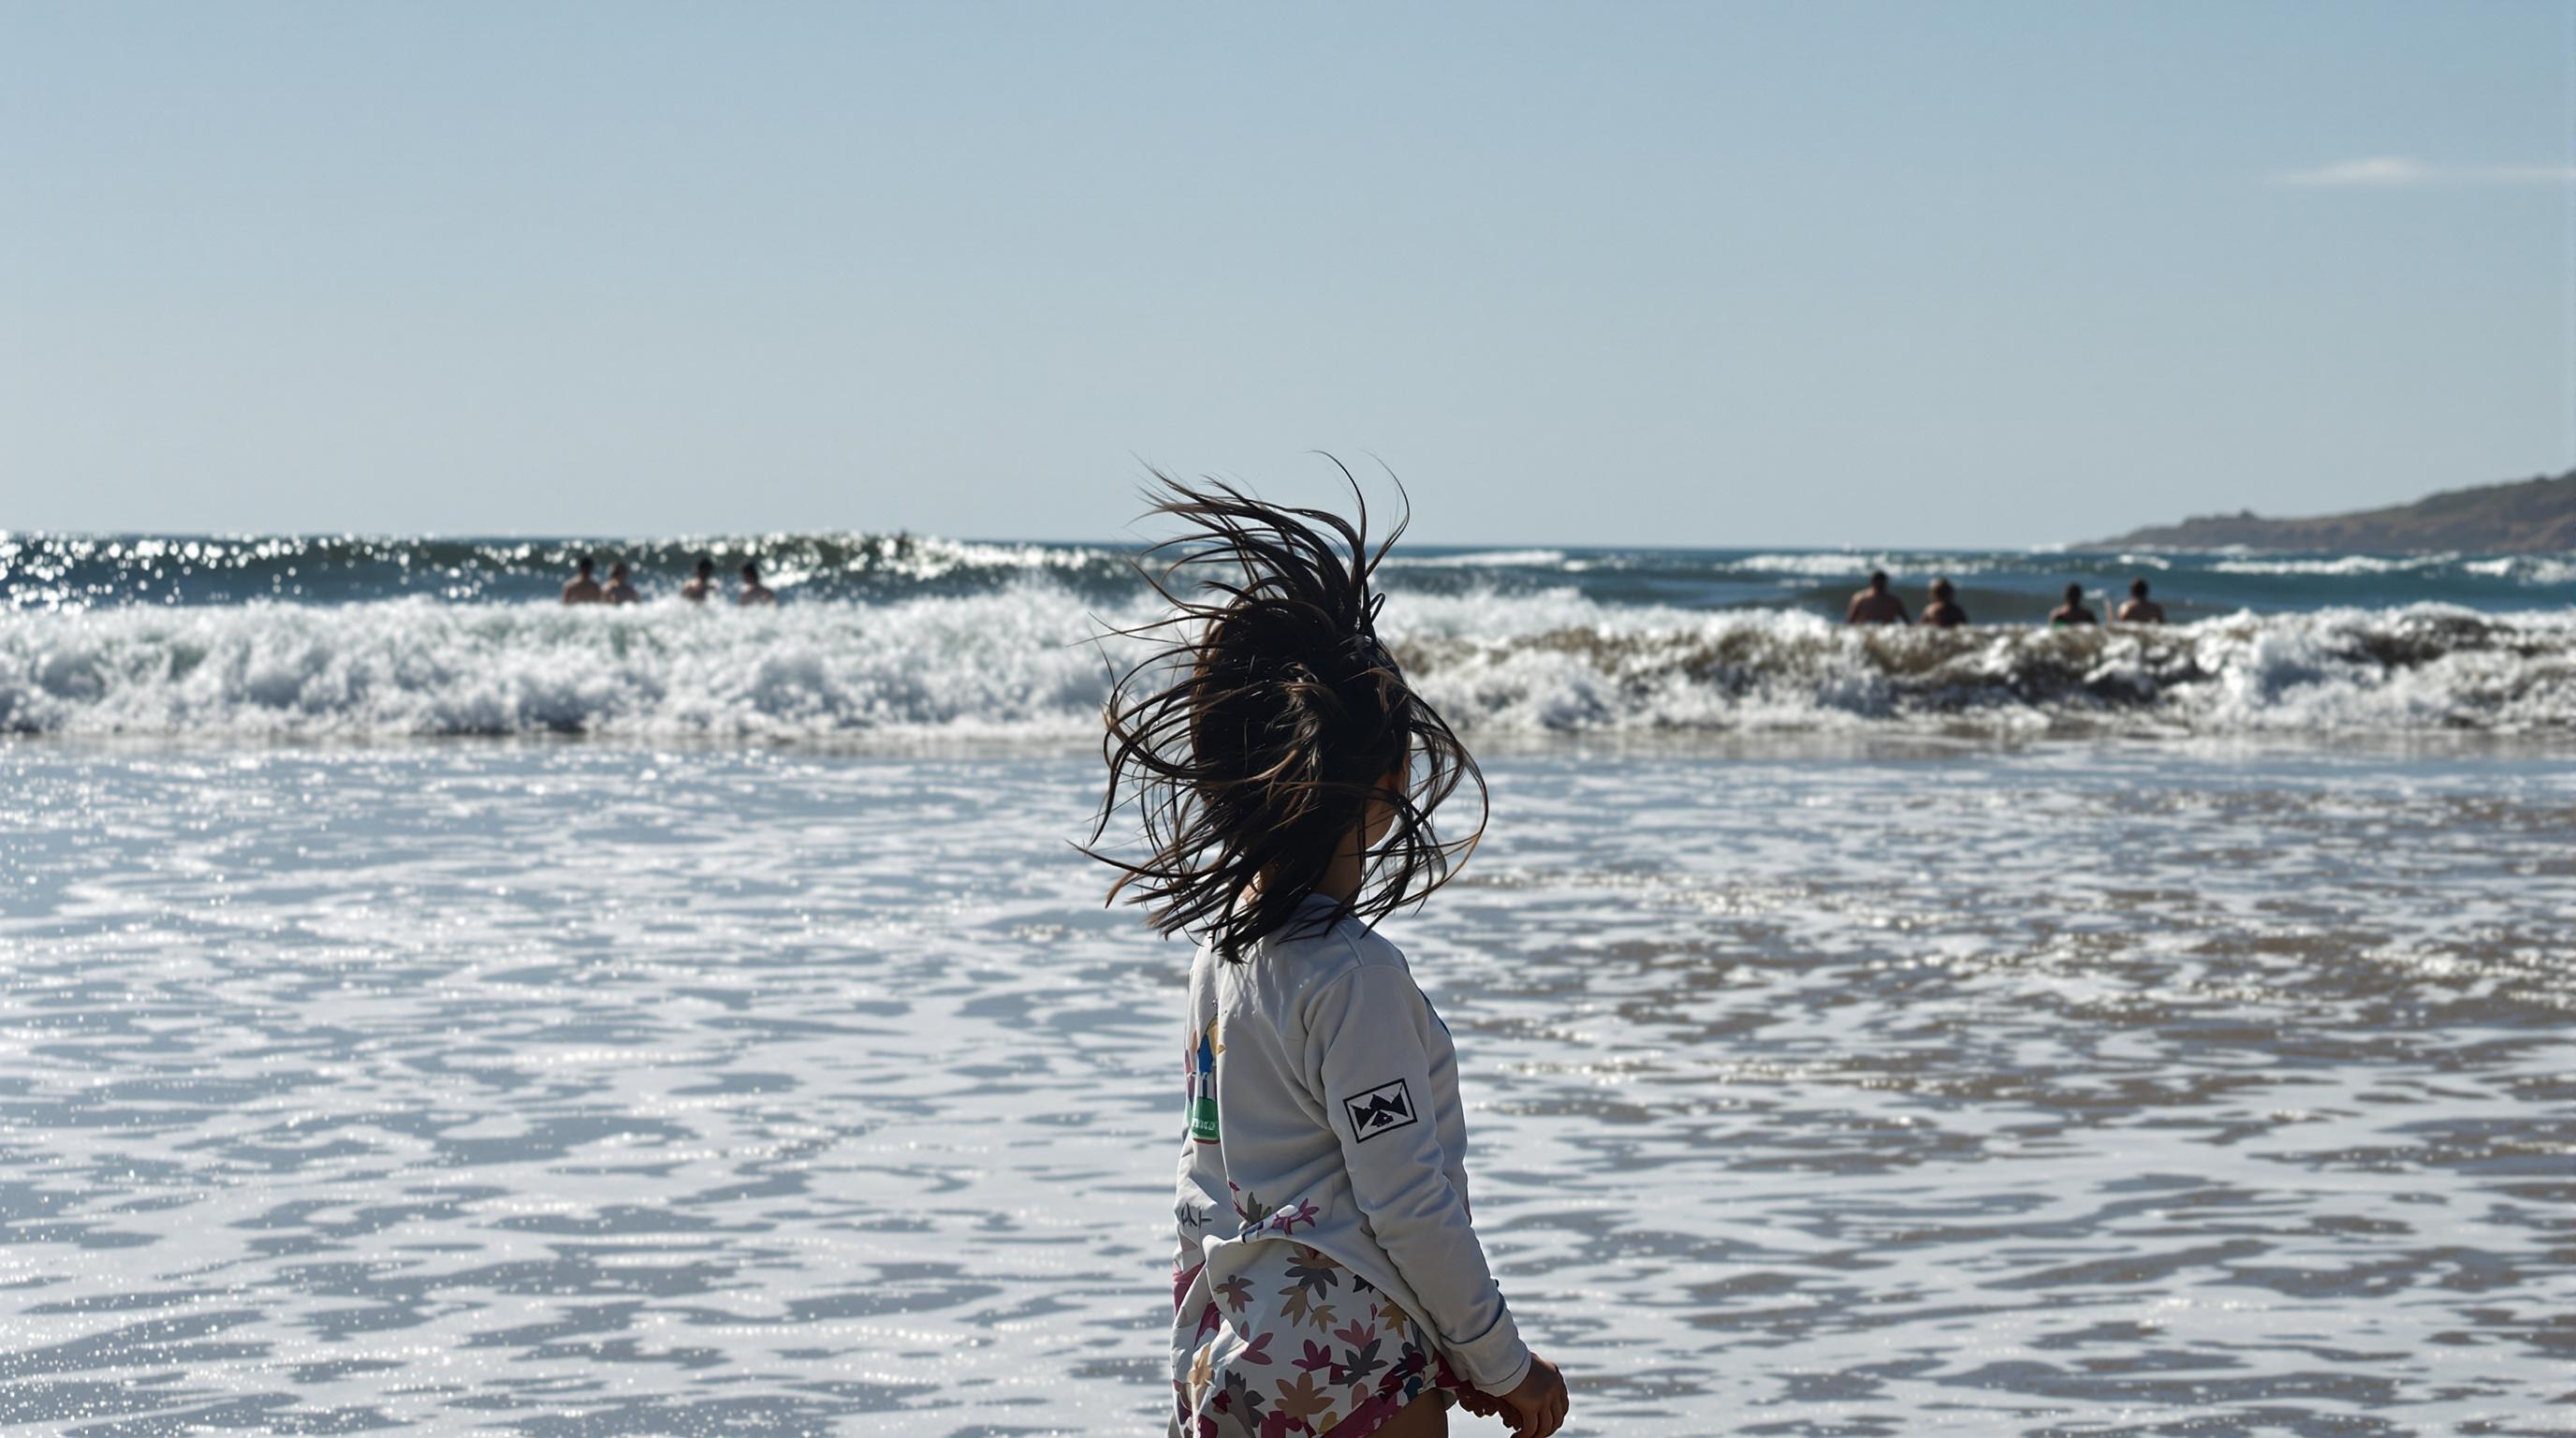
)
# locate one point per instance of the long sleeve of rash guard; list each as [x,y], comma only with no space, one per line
[1200,1199]
[1368,1046]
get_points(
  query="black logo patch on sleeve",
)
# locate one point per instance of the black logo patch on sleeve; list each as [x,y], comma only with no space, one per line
[1383,1109]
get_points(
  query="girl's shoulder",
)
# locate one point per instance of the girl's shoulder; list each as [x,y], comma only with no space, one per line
[1286,968]
[1297,966]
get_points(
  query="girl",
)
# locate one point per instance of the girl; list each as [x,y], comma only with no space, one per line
[1328,1281]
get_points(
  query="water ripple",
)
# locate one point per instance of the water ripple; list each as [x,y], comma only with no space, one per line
[576,1089]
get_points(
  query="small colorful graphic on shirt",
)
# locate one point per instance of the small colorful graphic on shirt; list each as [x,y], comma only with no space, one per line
[1203,1087]
[1383,1109]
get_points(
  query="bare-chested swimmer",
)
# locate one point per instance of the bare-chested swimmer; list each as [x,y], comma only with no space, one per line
[1875,605]
[753,591]
[2140,609]
[703,584]
[1944,611]
[620,590]
[2073,610]
[581,588]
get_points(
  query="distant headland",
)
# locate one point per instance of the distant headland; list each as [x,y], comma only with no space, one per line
[2528,516]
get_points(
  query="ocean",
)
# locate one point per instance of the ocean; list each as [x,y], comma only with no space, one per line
[432,1009]
[898,639]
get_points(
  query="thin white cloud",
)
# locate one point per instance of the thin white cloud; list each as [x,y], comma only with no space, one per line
[2388,172]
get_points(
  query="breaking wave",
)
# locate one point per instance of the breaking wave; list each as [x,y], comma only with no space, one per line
[1021,661]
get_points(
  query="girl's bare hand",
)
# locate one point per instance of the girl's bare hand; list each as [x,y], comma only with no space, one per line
[1537,1407]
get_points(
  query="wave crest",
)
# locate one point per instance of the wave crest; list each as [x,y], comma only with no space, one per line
[1019,662]
[2422,668]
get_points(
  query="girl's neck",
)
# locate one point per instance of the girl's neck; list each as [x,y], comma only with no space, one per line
[1341,879]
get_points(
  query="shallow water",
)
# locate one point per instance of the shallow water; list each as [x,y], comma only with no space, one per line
[2085,1088]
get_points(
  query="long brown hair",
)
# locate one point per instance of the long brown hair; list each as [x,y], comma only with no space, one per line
[1252,742]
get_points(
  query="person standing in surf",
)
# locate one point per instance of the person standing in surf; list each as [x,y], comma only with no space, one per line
[583,588]
[2072,611]
[1876,604]
[1327,1278]
[2140,609]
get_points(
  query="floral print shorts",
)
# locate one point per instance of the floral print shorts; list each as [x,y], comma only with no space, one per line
[1294,1343]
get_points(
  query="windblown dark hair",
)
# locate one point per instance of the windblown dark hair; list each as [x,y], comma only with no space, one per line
[1277,717]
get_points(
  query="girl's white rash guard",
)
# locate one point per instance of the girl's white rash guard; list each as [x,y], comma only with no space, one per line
[1324,1109]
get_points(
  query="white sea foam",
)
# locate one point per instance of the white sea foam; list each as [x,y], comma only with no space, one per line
[1481,559]
[1007,661]
[2528,568]
[1559,662]
[2341,564]
[1818,565]
[1857,564]
[1021,662]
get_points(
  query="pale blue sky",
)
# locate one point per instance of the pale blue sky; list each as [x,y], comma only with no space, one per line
[1702,274]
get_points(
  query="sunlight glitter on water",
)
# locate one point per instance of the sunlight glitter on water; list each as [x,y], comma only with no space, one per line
[2079,1089]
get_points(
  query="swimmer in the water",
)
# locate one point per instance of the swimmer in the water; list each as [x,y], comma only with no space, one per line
[2140,609]
[2073,610]
[753,591]
[619,590]
[1944,611]
[703,584]
[1875,605]
[581,588]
